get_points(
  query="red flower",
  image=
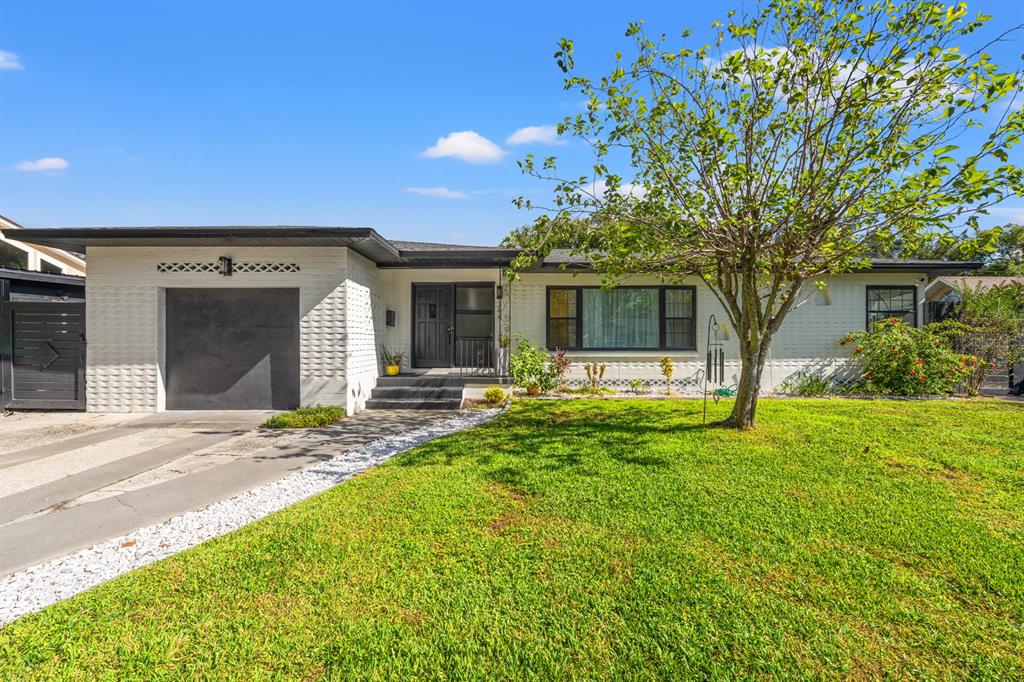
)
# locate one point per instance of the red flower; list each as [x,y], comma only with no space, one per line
[857,349]
[922,378]
[912,372]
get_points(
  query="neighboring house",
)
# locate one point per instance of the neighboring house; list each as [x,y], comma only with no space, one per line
[274,317]
[943,290]
[18,255]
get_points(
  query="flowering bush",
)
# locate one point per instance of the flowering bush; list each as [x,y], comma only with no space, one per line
[900,360]
[530,369]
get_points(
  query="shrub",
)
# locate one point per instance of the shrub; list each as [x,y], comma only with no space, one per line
[807,384]
[639,386]
[595,375]
[561,364]
[666,371]
[900,360]
[529,368]
[494,395]
[306,418]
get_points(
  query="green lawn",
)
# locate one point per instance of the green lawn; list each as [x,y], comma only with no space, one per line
[607,539]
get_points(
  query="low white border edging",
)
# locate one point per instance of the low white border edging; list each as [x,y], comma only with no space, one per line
[37,587]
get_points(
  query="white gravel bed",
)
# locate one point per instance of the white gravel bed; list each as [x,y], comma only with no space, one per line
[35,588]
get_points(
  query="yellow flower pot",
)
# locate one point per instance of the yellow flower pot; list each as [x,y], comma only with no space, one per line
[391,370]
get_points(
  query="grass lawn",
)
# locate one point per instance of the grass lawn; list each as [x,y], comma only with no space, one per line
[602,539]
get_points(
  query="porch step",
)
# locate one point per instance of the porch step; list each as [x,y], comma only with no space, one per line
[413,404]
[417,392]
[422,380]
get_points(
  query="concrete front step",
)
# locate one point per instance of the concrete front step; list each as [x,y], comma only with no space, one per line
[420,380]
[417,392]
[413,404]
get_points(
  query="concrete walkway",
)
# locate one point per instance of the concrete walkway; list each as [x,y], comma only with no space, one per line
[68,494]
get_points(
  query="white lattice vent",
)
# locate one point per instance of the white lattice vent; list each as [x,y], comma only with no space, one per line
[186,267]
[266,267]
[242,267]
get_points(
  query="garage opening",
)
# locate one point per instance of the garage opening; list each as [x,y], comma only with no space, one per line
[232,349]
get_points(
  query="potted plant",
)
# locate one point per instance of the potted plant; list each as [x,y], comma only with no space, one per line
[392,361]
[503,347]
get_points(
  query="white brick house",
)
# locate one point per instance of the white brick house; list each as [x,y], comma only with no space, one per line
[248,317]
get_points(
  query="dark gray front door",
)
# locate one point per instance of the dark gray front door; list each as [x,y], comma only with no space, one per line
[433,325]
[42,355]
[232,349]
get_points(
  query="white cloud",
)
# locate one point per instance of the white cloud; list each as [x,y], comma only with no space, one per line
[437,192]
[467,145]
[535,134]
[50,163]
[10,62]
[627,189]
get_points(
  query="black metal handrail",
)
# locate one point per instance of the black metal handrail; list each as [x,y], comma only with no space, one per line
[475,354]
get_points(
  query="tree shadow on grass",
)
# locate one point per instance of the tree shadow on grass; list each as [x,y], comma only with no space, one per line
[570,436]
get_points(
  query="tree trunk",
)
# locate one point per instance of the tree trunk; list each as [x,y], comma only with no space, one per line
[753,354]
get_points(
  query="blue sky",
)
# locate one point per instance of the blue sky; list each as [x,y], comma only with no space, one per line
[303,114]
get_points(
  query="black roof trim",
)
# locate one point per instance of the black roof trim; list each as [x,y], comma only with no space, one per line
[564,259]
[365,241]
[48,278]
[362,240]
[949,266]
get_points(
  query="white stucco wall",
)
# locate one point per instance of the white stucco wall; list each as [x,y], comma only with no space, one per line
[124,318]
[806,340]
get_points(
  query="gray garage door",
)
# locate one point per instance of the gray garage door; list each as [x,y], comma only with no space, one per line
[232,349]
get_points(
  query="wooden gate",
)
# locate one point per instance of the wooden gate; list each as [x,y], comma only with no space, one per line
[42,355]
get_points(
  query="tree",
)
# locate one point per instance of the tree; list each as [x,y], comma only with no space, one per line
[1007,256]
[807,132]
[1001,249]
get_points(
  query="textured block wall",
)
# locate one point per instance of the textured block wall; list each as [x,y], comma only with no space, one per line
[123,320]
[122,374]
[364,324]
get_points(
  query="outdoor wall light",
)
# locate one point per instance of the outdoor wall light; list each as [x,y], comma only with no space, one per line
[389,318]
[499,292]
[225,266]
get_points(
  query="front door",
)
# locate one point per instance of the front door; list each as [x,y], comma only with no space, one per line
[433,325]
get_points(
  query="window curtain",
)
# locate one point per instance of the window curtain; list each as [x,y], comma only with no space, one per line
[620,318]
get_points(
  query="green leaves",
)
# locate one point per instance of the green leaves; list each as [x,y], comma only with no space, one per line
[807,134]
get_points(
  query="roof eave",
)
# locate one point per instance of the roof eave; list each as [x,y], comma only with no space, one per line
[47,277]
[363,240]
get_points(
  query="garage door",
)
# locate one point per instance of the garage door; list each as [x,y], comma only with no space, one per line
[232,349]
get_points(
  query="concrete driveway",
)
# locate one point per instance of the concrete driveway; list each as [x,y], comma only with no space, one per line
[71,480]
